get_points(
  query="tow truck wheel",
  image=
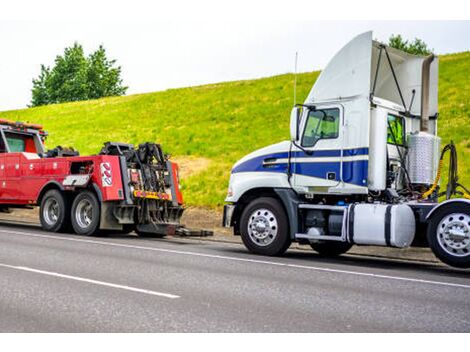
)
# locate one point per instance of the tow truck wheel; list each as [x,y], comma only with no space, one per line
[331,249]
[264,227]
[449,234]
[86,214]
[54,212]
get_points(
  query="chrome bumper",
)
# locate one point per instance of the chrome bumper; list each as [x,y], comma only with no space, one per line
[228,213]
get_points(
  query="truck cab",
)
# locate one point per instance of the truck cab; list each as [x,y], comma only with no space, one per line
[363,150]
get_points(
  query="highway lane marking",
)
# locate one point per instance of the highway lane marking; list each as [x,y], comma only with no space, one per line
[256,261]
[90,281]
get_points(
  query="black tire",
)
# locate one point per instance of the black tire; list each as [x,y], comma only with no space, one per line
[331,249]
[273,238]
[454,251]
[86,214]
[54,211]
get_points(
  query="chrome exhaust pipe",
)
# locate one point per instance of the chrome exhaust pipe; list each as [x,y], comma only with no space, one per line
[425,78]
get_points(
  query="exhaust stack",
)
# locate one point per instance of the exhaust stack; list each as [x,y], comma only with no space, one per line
[425,77]
[423,147]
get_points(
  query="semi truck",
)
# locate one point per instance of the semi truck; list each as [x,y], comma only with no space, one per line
[122,188]
[362,166]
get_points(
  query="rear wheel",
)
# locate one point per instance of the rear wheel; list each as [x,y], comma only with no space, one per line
[449,234]
[86,214]
[54,211]
[331,249]
[264,227]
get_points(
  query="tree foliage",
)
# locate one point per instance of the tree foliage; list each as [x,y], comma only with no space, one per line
[415,47]
[76,77]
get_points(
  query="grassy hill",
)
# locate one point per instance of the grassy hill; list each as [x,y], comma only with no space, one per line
[222,122]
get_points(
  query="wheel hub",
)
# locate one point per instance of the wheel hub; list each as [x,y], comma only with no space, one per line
[262,227]
[84,213]
[51,211]
[454,234]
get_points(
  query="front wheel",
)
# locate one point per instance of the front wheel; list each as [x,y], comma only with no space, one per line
[86,214]
[264,227]
[449,234]
[331,249]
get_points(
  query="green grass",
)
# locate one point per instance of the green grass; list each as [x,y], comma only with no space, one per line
[224,121]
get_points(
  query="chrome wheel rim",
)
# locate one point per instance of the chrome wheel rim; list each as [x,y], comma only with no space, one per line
[84,213]
[453,234]
[51,211]
[262,227]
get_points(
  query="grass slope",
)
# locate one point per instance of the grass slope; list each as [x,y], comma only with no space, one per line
[223,122]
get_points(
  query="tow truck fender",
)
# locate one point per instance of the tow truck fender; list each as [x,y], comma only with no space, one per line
[49,185]
[455,200]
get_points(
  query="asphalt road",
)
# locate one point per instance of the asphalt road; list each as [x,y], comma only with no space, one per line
[67,283]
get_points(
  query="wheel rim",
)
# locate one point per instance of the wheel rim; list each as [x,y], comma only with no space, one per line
[262,227]
[453,234]
[84,213]
[51,211]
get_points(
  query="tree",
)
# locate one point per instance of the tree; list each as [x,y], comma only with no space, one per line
[76,77]
[416,47]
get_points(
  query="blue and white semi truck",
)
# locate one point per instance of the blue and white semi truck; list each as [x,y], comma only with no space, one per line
[362,165]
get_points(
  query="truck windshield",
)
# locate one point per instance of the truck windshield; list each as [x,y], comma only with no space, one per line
[321,124]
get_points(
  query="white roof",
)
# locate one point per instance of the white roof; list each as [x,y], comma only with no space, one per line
[351,73]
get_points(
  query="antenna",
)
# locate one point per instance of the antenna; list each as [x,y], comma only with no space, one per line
[295,78]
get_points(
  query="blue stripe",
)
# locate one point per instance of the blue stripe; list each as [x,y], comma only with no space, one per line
[354,172]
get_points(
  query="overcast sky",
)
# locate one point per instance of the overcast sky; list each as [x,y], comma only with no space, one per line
[159,55]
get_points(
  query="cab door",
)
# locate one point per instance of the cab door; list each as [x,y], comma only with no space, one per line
[12,189]
[317,156]
[323,160]
[12,186]
[2,167]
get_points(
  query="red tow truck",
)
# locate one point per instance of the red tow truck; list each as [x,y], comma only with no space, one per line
[123,188]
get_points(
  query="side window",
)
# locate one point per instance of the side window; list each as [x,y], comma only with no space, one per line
[20,142]
[321,124]
[396,130]
[15,142]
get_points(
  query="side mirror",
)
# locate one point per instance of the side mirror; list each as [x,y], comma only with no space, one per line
[294,123]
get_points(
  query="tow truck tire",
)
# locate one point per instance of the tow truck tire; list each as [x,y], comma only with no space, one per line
[448,234]
[86,214]
[54,211]
[331,249]
[264,227]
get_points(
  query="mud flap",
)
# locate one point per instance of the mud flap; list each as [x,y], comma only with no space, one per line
[108,220]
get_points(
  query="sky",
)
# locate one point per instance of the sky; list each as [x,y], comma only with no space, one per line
[161,54]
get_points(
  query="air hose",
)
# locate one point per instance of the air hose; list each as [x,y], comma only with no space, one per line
[452,184]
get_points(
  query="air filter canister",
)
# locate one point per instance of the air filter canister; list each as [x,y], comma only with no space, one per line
[423,157]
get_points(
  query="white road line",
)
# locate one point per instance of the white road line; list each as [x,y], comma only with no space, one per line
[90,281]
[256,261]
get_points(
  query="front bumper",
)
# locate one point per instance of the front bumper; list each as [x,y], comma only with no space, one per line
[228,214]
